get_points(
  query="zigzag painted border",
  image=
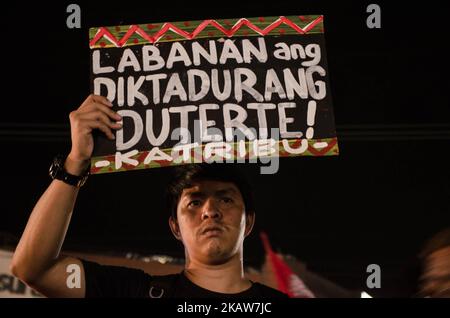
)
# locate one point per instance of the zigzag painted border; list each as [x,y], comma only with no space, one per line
[121,36]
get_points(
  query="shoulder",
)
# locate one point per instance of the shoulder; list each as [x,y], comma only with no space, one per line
[269,292]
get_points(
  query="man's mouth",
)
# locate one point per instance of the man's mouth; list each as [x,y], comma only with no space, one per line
[212,230]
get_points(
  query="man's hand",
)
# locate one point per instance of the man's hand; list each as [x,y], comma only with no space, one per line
[94,113]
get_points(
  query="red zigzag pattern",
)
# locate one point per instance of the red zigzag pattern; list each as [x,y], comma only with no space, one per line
[104,32]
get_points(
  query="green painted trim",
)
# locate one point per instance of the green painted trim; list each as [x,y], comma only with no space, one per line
[197,155]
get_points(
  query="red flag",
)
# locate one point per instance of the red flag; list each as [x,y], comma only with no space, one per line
[288,282]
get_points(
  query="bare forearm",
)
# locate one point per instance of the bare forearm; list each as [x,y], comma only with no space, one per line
[44,234]
[36,260]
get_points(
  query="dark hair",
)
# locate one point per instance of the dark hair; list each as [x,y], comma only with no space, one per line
[438,241]
[186,175]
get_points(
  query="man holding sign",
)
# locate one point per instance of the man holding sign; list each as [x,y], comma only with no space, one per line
[212,212]
[272,78]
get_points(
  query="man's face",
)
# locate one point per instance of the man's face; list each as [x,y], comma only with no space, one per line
[211,221]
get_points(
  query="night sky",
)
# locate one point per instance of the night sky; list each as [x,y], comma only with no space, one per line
[377,202]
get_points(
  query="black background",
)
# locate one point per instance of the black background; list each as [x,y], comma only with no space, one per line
[376,203]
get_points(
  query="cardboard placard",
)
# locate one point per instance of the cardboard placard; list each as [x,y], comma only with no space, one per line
[213,90]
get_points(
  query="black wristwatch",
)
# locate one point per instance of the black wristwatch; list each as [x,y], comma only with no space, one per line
[58,172]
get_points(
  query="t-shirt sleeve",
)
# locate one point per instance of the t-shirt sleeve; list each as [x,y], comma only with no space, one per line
[114,281]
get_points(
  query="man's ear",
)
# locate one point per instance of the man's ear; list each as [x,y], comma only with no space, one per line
[173,223]
[249,222]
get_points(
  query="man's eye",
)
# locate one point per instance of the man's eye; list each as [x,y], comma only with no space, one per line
[194,203]
[227,200]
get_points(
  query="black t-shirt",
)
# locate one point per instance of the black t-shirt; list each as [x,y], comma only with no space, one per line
[114,281]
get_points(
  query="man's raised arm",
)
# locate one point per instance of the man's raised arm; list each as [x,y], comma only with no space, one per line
[37,260]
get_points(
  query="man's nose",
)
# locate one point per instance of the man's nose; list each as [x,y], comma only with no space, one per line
[211,210]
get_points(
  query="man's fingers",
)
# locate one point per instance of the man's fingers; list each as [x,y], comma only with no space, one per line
[96,113]
[101,107]
[99,116]
[92,99]
[97,106]
[95,124]
[108,111]
[101,100]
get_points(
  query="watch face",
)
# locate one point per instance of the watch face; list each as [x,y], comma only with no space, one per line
[52,170]
[57,171]
[55,168]
[82,181]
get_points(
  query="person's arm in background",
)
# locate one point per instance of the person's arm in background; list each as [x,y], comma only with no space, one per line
[36,260]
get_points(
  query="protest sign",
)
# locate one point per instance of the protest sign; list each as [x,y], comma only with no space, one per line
[213,90]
